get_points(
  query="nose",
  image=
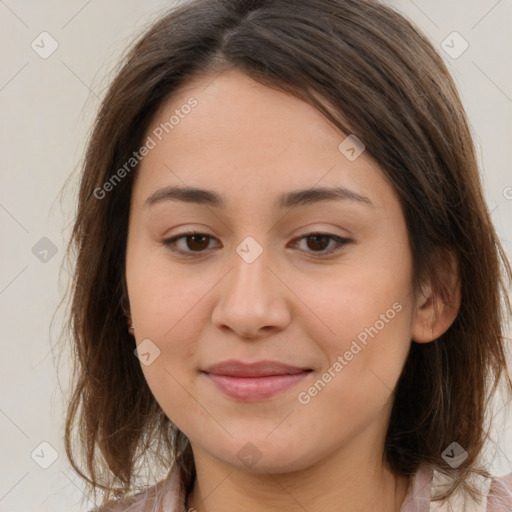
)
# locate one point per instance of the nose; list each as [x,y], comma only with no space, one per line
[254,300]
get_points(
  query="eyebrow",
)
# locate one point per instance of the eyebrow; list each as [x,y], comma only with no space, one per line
[287,200]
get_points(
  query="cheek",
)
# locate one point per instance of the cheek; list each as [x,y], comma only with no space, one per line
[365,355]
[364,362]
[368,308]
[166,310]
[361,303]
[165,295]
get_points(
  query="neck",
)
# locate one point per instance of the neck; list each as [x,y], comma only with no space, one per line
[343,481]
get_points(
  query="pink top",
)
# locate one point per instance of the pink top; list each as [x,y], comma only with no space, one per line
[166,496]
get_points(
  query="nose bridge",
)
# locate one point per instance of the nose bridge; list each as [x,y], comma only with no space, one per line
[249,297]
[250,275]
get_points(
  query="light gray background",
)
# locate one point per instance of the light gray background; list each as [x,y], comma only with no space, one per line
[47,107]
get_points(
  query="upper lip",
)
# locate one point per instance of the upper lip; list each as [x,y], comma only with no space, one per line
[233,368]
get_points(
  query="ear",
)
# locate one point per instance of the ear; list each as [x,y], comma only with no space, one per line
[437,303]
[129,322]
[125,305]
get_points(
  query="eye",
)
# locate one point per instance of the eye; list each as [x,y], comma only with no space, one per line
[195,242]
[319,242]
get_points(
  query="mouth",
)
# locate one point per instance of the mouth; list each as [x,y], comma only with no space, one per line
[254,381]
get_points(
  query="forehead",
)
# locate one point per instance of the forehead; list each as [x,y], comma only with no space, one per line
[237,112]
[232,134]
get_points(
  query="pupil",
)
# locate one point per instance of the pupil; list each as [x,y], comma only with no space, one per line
[195,237]
[315,238]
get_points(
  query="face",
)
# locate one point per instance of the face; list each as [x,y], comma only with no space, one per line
[317,287]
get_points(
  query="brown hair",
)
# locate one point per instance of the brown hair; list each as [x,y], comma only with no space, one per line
[371,73]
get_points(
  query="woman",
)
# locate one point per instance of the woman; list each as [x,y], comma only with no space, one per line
[287,286]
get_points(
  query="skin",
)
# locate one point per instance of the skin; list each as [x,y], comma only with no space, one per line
[251,143]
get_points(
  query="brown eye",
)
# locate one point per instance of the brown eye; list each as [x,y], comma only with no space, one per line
[319,243]
[197,242]
[193,243]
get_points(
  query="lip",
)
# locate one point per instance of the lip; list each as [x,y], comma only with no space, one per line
[254,381]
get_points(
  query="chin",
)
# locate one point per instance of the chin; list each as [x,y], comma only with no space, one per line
[261,455]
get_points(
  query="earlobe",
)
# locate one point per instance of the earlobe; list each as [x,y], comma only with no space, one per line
[424,316]
[438,302]
[125,306]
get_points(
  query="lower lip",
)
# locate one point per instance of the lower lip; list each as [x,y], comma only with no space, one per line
[255,388]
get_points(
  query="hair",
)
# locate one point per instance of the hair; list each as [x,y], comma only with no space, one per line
[371,73]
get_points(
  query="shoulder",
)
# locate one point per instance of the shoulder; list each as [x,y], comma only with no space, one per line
[165,495]
[144,501]
[496,493]
[500,494]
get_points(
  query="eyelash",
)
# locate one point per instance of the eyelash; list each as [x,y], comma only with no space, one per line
[340,241]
